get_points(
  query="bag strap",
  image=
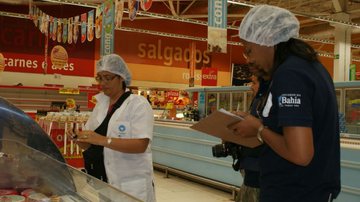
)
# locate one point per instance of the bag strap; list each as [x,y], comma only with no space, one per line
[119,102]
[102,129]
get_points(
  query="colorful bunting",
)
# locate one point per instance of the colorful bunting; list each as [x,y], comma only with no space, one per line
[76,28]
[70,30]
[133,7]
[98,21]
[83,18]
[90,26]
[119,10]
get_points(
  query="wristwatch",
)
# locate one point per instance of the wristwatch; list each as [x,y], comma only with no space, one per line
[260,129]
[109,140]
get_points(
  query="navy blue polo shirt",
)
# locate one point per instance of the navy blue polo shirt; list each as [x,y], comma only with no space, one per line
[302,94]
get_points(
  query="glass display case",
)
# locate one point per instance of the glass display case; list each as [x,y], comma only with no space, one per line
[211,102]
[234,98]
[224,98]
[352,110]
[35,169]
[348,97]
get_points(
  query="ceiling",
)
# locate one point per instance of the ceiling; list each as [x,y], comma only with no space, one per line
[317,17]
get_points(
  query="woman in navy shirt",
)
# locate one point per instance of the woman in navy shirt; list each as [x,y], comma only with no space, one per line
[298,116]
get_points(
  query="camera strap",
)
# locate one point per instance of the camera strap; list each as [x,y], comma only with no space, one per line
[236,164]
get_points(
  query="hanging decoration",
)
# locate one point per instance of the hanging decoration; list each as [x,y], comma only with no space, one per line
[54,31]
[133,7]
[119,11]
[36,16]
[98,21]
[59,30]
[51,27]
[83,27]
[90,25]
[65,31]
[40,18]
[70,30]
[43,22]
[76,28]
[145,4]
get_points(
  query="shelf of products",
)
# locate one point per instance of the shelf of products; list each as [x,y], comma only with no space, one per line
[48,98]
[56,124]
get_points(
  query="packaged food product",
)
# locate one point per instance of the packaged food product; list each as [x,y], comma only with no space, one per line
[27,192]
[12,198]
[55,198]
[38,197]
[4,192]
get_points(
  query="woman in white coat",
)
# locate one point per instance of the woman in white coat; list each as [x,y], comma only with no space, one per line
[127,142]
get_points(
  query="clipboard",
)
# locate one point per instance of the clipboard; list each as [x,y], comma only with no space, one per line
[216,124]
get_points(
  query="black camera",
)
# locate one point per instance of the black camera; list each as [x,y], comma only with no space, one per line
[228,149]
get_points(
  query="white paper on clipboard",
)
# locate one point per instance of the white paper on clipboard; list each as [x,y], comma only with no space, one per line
[216,124]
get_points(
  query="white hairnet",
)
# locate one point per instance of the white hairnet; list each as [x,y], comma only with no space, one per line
[268,25]
[115,64]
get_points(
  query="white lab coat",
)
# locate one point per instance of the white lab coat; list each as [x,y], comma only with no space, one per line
[131,173]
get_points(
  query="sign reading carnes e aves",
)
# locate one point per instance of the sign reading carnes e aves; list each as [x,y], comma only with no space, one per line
[22,46]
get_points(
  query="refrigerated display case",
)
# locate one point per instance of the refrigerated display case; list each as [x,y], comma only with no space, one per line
[177,146]
[233,98]
[238,98]
[29,160]
[348,96]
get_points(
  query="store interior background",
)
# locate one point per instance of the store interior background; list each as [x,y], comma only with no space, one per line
[181,19]
[154,45]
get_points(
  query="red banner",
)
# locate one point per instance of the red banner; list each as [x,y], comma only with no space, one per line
[23,47]
[26,63]
[209,76]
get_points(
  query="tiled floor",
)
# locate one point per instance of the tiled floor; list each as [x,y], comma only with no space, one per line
[175,189]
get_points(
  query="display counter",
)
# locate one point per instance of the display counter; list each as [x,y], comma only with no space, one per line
[33,169]
[177,146]
[232,98]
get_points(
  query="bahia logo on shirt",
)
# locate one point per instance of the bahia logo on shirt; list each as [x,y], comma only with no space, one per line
[289,100]
[122,129]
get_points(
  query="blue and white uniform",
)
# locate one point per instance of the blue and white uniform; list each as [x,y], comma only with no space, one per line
[131,173]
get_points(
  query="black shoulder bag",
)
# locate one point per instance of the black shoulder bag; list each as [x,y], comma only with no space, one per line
[93,156]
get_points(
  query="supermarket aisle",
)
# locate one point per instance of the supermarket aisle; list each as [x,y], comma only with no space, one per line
[175,189]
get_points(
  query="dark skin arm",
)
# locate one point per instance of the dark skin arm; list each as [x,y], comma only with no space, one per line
[295,145]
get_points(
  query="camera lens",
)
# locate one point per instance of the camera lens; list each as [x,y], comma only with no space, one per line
[219,150]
